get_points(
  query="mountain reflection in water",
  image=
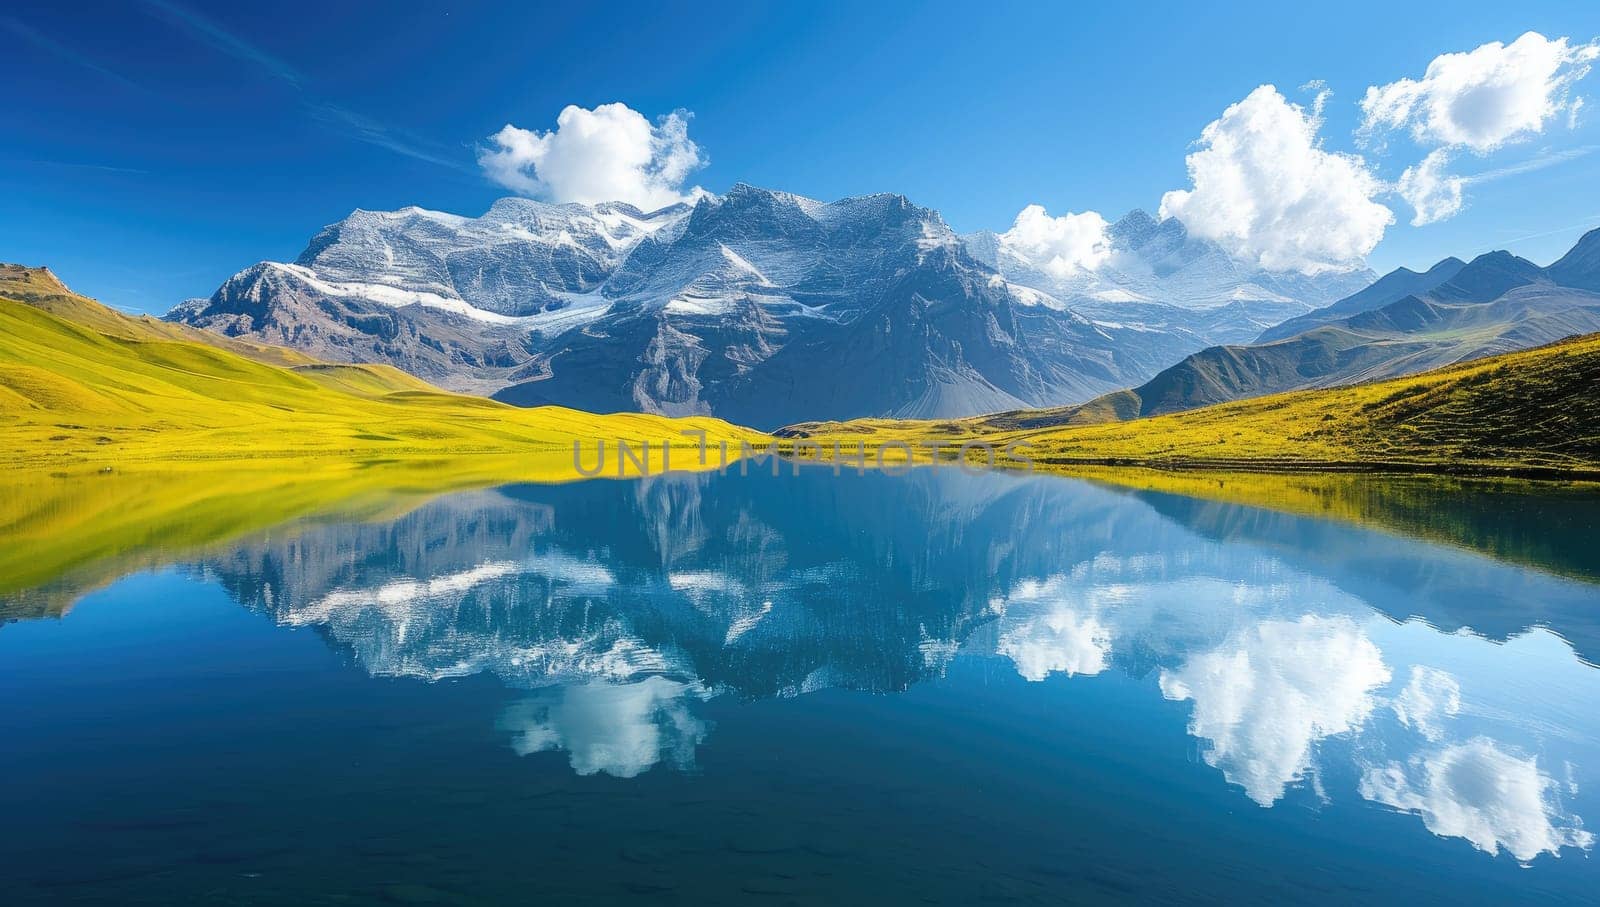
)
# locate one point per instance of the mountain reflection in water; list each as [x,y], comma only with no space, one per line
[1304,654]
[622,606]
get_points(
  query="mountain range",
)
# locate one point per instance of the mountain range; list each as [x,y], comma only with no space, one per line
[81,383]
[1531,412]
[1402,324]
[758,306]
[767,309]
[1157,272]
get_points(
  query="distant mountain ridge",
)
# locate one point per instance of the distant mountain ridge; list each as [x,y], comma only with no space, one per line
[1404,323]
[1532,412]
[1159,261]
[1391,287]
[759,306]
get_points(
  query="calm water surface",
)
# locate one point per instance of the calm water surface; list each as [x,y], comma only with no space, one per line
[933,687]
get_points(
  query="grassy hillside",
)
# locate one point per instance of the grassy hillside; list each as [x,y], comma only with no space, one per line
[1536,411]
[41,289]
[1498,303]
[82,384]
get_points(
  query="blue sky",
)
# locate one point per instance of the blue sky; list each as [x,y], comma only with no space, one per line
[150,149]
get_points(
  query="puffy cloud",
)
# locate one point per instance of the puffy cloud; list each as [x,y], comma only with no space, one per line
[1059,246]
[1429,696]
[1432,193]
[1480,792]
[610,153]
[619,729]
[1269,693]
[1482,99]
[1264,188]
[1478,100]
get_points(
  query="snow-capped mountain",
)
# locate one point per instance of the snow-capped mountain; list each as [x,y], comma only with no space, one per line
[521,258]
[759,306]
[1157,266]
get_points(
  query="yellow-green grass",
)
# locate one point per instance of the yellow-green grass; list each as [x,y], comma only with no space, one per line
[125,442]
[1534,412]
[72,394]
[41,289]
[207,440]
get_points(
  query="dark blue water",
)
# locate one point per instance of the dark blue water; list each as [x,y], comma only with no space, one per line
[929,688]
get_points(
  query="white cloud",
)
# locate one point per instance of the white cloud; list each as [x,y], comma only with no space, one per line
[1432,193]
[1264,189]
[1320,93]
[1059,246]
[610,153]
[1429,696]
[1436,195]
[1269,693]
[1478,100]
[1484,98]
[618,729]
[1480,792]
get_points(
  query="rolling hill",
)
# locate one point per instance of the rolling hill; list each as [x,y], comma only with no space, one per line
[41,289]
[128,391]
[1532,412]
[81,383]
[1403,324]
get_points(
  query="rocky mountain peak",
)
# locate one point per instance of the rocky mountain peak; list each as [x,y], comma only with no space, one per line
[1580,267]
[1133,230]
[756,304]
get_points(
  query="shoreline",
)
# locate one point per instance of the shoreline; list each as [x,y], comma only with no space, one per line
[1339,467]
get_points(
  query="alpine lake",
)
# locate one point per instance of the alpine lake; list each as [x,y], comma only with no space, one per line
[815,687]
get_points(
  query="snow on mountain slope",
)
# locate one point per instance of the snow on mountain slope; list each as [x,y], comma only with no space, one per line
[520,258]
[1159,262]
[760,306]
[780,250]
[275,303]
